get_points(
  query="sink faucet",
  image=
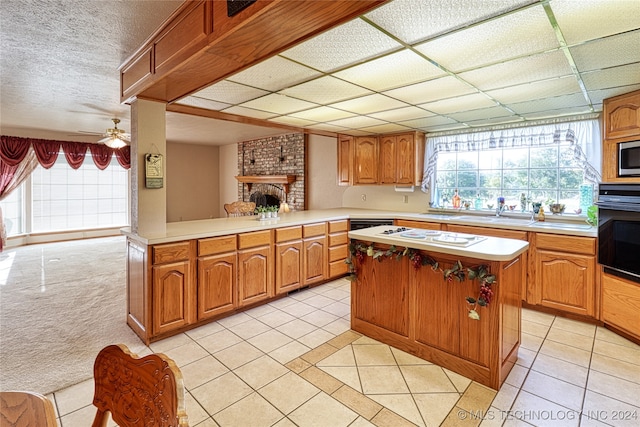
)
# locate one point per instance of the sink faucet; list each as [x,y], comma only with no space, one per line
[500,209]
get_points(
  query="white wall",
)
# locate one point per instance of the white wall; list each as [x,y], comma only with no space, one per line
[192,182]
[322,189]
[228,169]
[385,197]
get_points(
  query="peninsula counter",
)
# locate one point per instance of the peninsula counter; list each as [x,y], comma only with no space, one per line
[418,309]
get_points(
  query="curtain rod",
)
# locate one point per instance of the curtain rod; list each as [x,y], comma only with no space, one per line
[541,122]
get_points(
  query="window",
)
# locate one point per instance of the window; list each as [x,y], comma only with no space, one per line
[542,174]
[65,199]
[13,212]
[551,163]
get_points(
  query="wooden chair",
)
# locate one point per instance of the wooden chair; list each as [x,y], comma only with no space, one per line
[147,391]
[239,208]
[25,408]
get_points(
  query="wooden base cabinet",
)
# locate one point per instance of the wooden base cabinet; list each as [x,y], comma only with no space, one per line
[338,248]
[620,302]
[565,273]
[217,276]
[173,289]
[288,253]
[255,271]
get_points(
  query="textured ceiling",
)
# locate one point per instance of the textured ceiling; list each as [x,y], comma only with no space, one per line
[431,65]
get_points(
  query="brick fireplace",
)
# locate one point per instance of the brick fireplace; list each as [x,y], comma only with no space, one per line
[283,155]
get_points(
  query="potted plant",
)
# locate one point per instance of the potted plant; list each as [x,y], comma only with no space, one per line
[274,211]
[261,211]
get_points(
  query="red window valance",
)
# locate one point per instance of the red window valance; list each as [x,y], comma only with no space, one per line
[13,150]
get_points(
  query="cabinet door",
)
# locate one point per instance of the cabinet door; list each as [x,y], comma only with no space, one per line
[406,159]
[314,261]
[345,159]
[622,116]
[566,281]
[288,266]
[255,281]
[620,302]
[217,289]
[172,296]
[366,160]
[388,159]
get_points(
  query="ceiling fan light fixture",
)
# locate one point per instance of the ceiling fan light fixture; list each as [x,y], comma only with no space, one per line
[114,142]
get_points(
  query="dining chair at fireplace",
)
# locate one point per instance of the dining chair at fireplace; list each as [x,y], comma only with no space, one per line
[137,391]
[239,208]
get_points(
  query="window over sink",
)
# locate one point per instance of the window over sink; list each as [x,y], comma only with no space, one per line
[556,163]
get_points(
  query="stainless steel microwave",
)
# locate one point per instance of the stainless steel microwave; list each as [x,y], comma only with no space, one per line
[629,158]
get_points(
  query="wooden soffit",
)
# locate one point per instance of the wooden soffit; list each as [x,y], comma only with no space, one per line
[200,45]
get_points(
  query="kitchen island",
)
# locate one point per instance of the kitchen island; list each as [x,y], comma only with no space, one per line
[415,290]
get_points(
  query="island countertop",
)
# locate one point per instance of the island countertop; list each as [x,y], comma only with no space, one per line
[464,245]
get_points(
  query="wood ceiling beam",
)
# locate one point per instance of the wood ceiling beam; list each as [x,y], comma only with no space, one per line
[200,45]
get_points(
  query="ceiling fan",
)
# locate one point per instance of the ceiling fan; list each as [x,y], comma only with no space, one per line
[114,137]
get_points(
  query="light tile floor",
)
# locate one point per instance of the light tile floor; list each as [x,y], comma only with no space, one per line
[295,362]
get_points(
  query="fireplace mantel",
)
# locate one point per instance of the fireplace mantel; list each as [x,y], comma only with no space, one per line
[283,180]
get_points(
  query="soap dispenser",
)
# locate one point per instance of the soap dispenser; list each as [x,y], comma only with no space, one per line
[541,214]
[478,203]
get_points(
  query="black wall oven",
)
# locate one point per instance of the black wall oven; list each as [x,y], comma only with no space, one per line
[619,229]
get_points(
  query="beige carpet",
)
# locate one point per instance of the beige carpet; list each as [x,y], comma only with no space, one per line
[60,303]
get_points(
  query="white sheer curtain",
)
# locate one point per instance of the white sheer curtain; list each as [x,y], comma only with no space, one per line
[583,137]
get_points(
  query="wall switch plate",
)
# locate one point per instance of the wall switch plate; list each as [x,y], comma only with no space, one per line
[405,199]
[364,197]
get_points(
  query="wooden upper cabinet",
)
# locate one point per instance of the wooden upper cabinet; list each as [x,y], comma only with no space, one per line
[366,160]
[622,116]
[345,160]
[388,160]
[408,155]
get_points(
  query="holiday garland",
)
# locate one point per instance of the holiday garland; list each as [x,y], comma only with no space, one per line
[418,259]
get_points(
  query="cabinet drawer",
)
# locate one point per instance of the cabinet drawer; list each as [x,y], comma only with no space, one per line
[171,252]
[338,253]
[256,238]
[338,239]
[574,244]
[337,226]
[337,268]
[485,231]
[216,245]
[311,230]
[288,233]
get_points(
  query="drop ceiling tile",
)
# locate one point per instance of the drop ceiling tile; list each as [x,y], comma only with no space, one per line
[369,104]
[357,122]
[483,113]
[597,96]
[591,19]
[535,90]
[248,112]
[611,77]
[195,101]
[391,71]
[325,90]
[412,20]
[322,114]
[274,74]
[230,92]
[609,52]
[279,104]
[329,128]
[347,44]
[447,127]
[400,114]
[552,103]
[386,128]
[496,121]
[460,103]
[293,121]
[428,121]
[521,33]
[569,111]
[523,70]
[432,90]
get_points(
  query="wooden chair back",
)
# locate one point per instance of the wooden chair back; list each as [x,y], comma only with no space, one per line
[147,391]
[25,408]
[239,208]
